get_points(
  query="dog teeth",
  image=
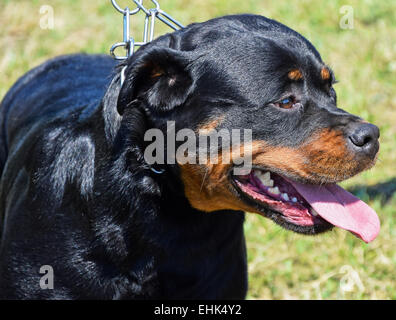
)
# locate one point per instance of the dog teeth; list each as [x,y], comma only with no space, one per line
[274,190]
[294,199]
[267,183]
[285,196]
[314,213]
[265,179]
[266,176]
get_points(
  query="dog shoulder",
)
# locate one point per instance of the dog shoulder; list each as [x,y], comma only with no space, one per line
[64,156]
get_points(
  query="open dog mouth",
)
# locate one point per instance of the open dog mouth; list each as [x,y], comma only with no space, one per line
[309,207]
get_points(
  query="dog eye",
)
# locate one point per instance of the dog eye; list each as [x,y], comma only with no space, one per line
[286,103]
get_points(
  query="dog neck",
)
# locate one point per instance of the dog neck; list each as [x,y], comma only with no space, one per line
[136,209]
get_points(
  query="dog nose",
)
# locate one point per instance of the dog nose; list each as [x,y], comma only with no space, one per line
[364,138]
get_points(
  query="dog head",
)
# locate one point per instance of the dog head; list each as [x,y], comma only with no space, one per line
[249,72]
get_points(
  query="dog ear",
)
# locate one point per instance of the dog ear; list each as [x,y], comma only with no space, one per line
[160,77]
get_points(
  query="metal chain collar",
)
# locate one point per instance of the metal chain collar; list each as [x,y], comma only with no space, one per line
[152,14]
[129,43]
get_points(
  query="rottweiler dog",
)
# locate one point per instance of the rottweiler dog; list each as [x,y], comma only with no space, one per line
[77,195]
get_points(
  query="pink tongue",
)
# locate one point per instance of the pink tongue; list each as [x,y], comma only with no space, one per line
[341,209]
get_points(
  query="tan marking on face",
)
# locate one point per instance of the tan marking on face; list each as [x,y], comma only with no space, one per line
[209,126]
[323,157]
[208,188]
[325,73]
[295,75]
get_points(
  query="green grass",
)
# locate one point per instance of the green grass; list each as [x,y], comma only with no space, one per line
[282,265]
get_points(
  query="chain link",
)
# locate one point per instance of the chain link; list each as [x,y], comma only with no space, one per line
[151,15]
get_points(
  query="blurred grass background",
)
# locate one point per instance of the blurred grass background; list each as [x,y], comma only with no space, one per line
[282,265]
